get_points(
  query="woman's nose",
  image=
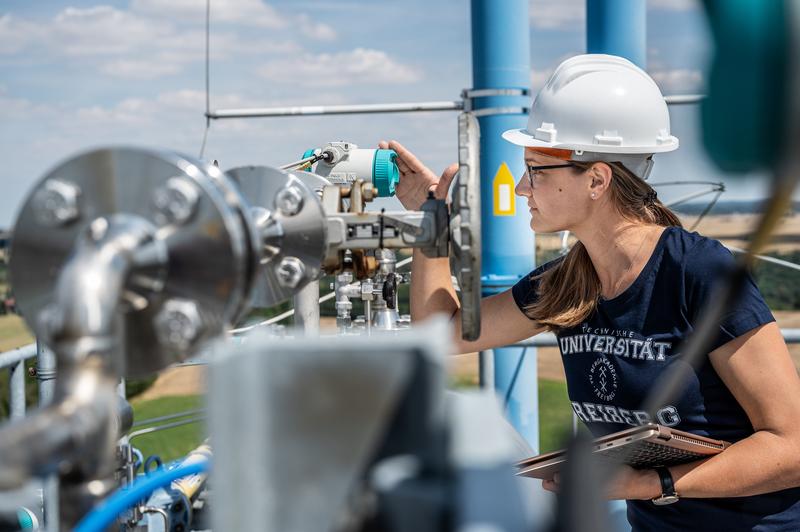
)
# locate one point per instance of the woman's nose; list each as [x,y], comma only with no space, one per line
[523,187]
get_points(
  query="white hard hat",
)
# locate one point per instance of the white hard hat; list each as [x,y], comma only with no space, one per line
[601,107]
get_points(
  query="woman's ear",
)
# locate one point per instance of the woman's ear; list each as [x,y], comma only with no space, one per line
[601,177]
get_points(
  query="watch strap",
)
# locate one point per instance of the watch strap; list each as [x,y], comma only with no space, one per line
[668,493]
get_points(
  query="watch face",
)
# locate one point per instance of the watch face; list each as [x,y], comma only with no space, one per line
[665,499]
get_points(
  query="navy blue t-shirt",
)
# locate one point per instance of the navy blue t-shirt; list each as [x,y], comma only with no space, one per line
[614,358]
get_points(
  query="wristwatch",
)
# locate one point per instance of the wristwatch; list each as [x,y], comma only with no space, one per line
[668,493]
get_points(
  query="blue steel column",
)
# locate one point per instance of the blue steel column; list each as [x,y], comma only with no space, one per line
[501,59]
[617,27]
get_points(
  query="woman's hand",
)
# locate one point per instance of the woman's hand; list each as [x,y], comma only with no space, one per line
[416,179]
[628,483]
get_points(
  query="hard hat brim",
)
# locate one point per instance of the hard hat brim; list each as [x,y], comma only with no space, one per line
[521,137]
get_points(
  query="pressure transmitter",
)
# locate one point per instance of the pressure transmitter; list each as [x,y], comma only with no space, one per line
[342,163]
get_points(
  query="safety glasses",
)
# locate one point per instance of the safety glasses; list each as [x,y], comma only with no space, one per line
[532,169]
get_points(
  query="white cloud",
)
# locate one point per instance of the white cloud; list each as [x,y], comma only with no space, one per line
[565,14]
[678,80]
[250,12]
[140,69]
[673,5]
[16,34]
[357,67]
[103,30]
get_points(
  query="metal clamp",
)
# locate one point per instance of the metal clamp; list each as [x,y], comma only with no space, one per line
[469,95]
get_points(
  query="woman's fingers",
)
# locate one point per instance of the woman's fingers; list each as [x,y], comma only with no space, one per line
[444,182]
[549,485]
[406,157]
[383,145]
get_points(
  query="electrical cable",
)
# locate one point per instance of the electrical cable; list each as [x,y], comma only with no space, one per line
[102,515]
[306,160]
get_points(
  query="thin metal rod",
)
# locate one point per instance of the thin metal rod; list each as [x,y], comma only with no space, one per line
[159,419]
[313,110]
[16,384]
[46,374]
[767,258]
[683,99]
[715,184]
[306,304]
[148,430]
[688,197]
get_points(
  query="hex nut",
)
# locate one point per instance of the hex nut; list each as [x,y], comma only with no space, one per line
[289,200]
[290,272]
[56,203]
[178,324]
[176,201]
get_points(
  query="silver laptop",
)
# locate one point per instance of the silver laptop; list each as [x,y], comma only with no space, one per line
[648,445]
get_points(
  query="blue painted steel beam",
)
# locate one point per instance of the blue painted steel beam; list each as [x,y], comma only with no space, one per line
[617,27]
[501,59]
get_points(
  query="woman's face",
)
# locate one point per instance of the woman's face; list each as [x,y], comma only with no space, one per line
[558,198]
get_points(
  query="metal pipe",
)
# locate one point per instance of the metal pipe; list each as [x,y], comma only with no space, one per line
[168,417]
[306,305]
[148,430]
[501,59]
[75,435]
[45,373]
[16,385]
[15,356]
[162,512]
[617,27]
[312,110]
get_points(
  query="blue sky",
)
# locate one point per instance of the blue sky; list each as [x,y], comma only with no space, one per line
[82,73]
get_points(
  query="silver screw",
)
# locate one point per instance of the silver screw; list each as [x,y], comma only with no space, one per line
[289,200]
[176,201]
[178,324]
[56,203]
[290,272]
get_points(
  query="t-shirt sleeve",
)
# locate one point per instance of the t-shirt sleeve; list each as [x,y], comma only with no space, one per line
[705,267]
[524,291]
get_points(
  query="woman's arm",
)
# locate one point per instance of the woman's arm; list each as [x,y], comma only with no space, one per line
[432,292]
[757,369]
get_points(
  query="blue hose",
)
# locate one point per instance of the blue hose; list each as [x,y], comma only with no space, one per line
[104,513]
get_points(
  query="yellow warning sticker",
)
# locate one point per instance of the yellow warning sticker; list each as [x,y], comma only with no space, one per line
[503,191]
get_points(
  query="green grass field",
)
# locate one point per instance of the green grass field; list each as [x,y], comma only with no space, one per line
[13,332]
[555,422]
[173,443]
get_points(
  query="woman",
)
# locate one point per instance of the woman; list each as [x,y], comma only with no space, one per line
[626,296]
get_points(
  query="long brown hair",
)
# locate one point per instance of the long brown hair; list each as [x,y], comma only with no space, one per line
[569,291]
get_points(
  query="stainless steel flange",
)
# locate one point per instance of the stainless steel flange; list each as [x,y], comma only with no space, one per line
[291,223]
[198,218]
